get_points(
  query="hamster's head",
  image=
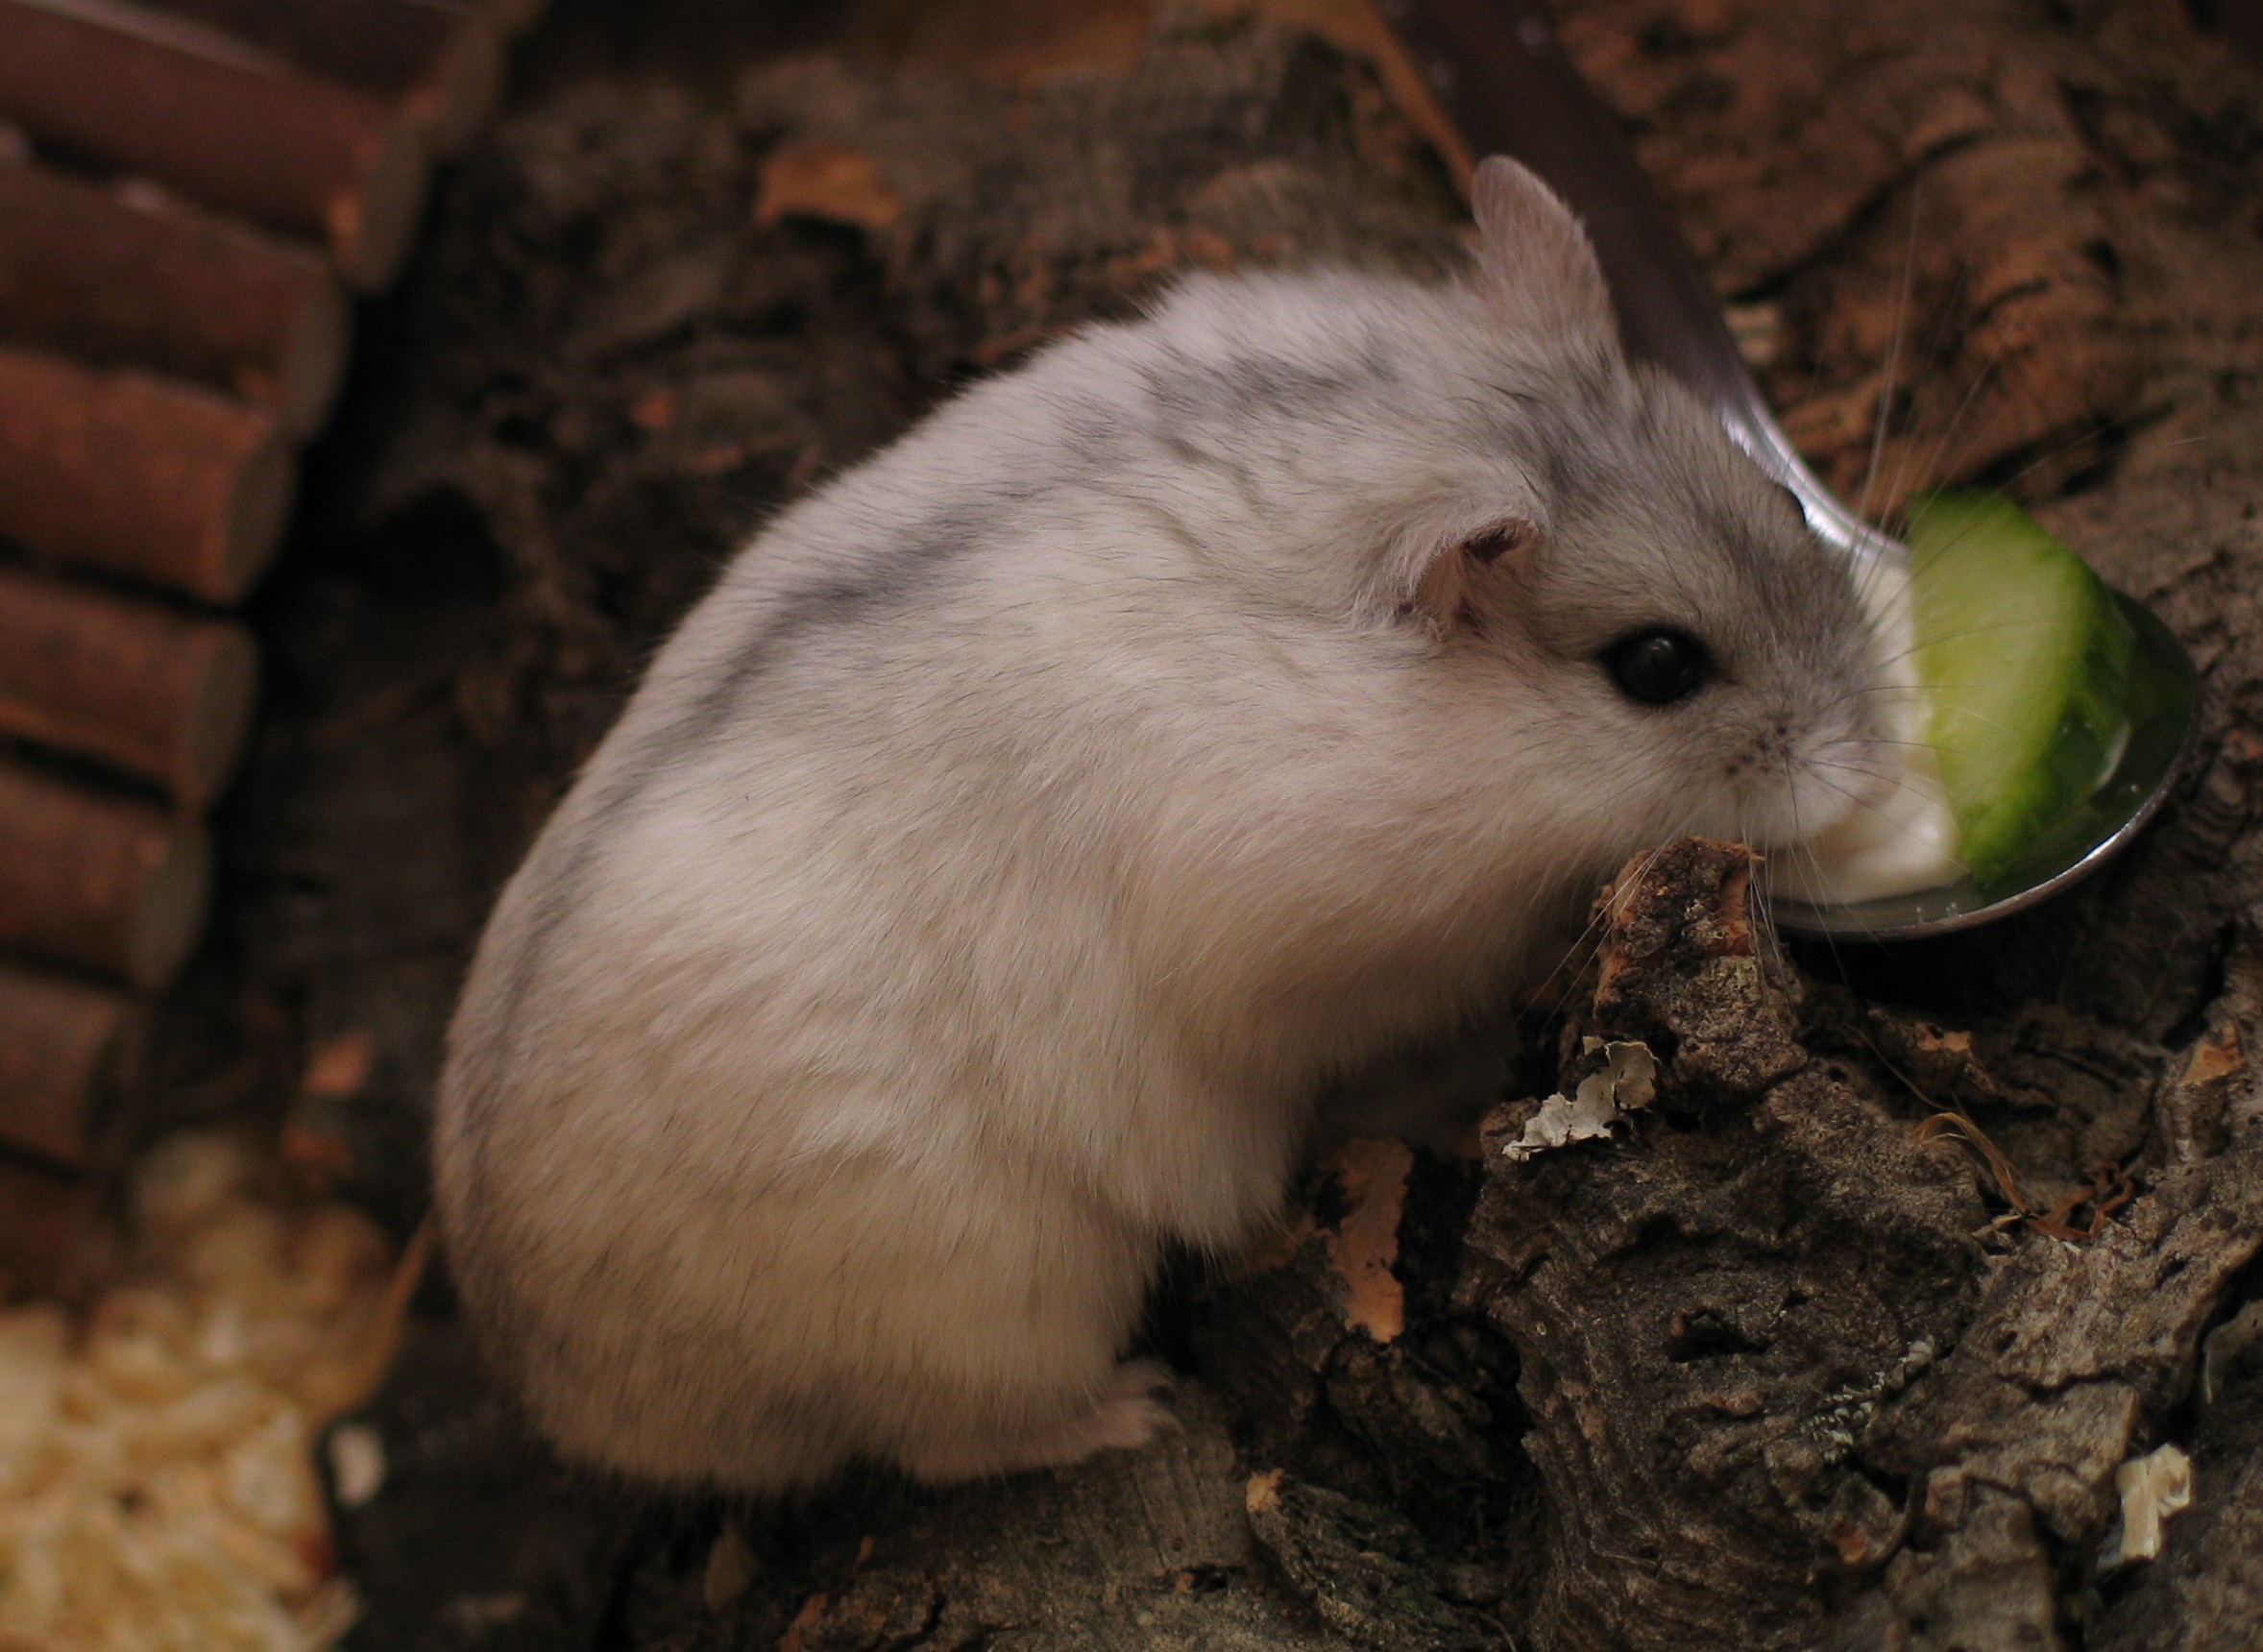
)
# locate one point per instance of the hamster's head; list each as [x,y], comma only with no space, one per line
[1682,650]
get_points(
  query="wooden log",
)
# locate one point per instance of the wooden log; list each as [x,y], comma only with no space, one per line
[440,59]
[45,1216]
[97,880]
[129,683]
[131,276]
[226,123]
[66,1051]
[146,476]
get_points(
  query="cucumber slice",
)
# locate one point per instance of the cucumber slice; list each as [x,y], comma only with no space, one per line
[2025,658]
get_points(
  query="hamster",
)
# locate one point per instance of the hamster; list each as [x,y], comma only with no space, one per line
[990,871]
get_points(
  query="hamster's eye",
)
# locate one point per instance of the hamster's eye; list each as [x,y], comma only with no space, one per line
[1659,667]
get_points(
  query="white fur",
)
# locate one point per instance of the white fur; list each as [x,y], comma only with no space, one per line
[853,1041]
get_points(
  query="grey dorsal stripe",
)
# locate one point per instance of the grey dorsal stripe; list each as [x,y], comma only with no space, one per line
[867,592]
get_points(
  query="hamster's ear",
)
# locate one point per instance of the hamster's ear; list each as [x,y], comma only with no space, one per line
[1437,580]
[1540,269]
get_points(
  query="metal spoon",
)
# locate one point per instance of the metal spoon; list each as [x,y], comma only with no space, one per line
[1497,67]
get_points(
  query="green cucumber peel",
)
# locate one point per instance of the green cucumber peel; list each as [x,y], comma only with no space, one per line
[2025,658]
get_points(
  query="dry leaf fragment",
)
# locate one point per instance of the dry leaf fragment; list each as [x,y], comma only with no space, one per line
[730,1569]
[1363,1247]
[338,1068]
[1627,1084]
[825,180]
[357,1464]
[2152,1488]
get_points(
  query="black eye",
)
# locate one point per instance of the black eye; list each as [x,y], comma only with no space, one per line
[1658,667]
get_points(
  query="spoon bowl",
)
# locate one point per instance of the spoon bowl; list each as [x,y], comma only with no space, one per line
[1500,72]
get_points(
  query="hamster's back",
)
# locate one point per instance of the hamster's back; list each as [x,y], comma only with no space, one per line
[852,941]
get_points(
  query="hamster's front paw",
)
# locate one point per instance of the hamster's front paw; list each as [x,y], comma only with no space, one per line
[1124,1415]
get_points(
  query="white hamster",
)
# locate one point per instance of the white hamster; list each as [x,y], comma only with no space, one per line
[989,872]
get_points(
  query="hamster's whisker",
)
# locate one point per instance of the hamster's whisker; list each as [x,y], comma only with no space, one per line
[1592,930]
[1953,543]
[1939,450]
[1597,922]
[1984,630]
[1898,744]
[1908,691]
[1945,322]
[2056,450]
[1763,916]
[2075,438]
[1933,458]
[1857,799]
[1852,796]
[1893,355]
[1588,940]
[1835,701]
[1893,780]
[1829,937]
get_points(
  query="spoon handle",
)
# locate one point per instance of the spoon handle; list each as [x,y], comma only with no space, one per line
[1501,70]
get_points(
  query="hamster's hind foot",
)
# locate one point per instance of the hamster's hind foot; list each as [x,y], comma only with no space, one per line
[1124,1415]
